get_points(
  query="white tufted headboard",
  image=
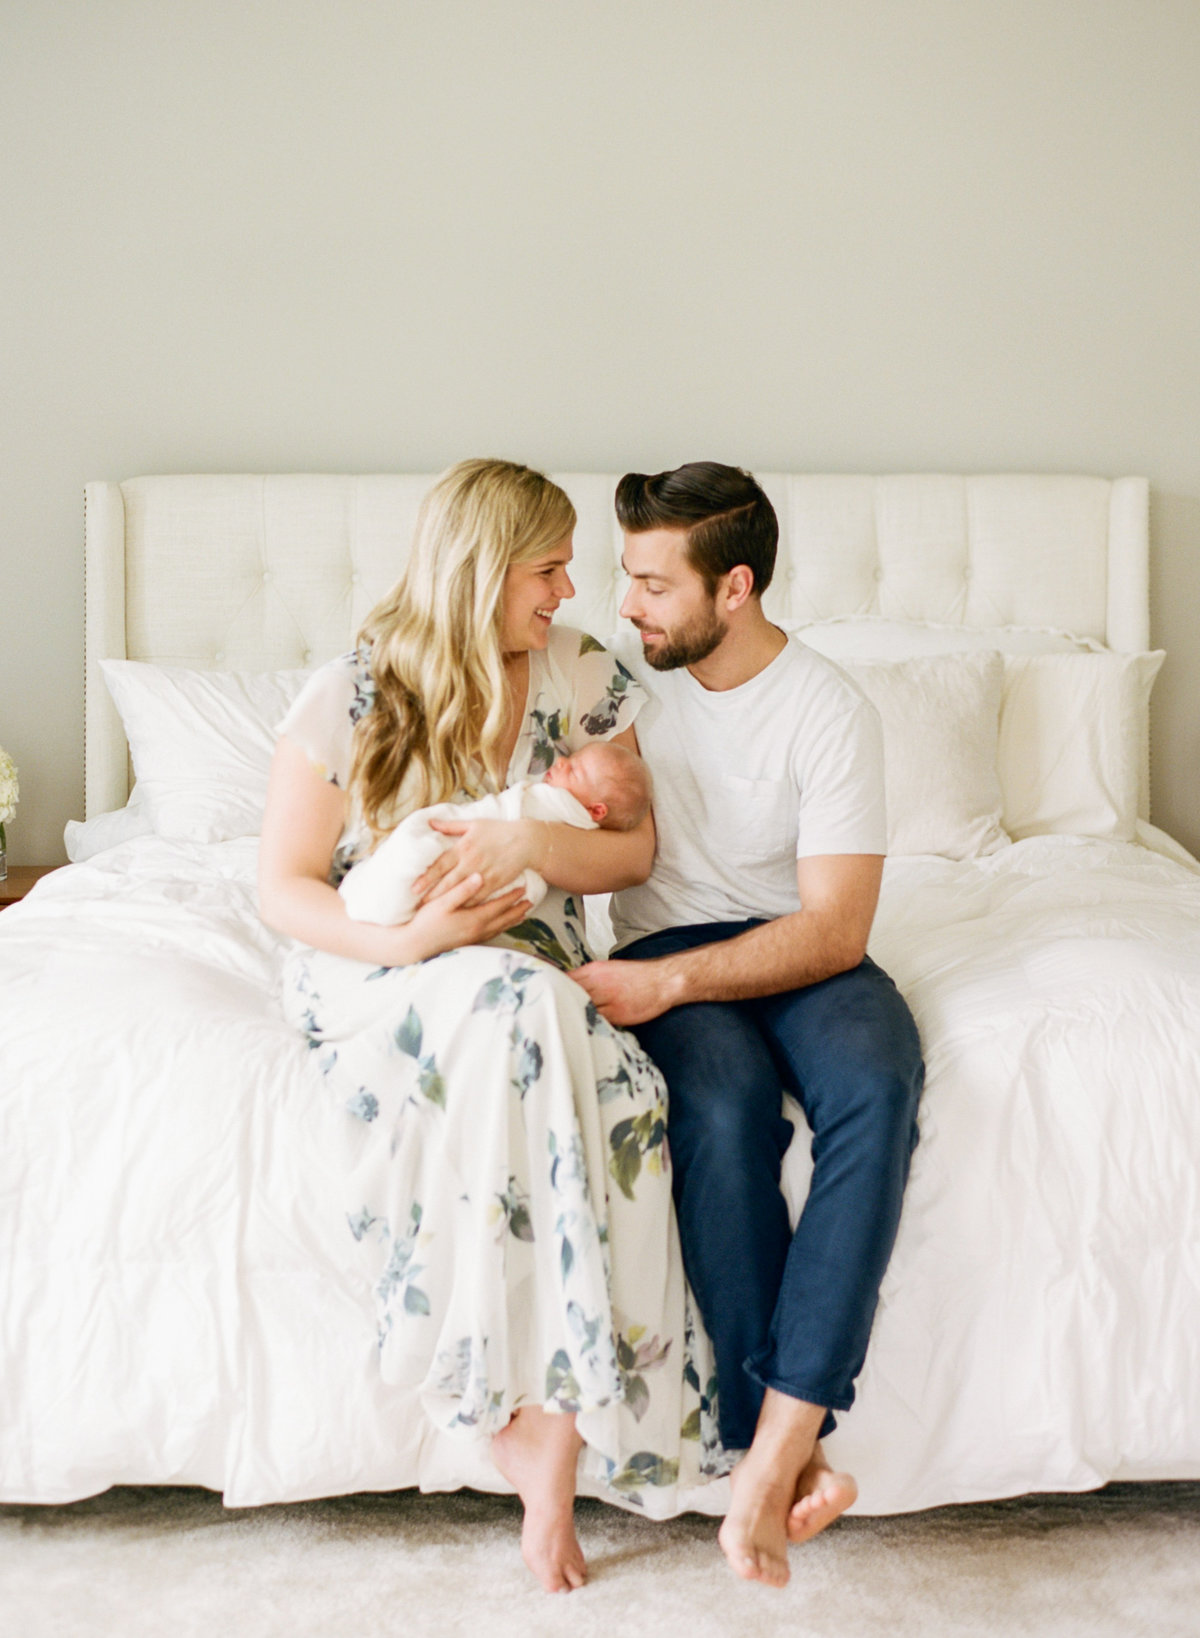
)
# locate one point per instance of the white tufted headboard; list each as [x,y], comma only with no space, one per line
[254,573]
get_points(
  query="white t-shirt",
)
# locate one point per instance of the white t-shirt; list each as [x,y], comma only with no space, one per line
[746,781]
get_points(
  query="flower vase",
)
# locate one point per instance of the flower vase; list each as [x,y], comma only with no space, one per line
[3,855]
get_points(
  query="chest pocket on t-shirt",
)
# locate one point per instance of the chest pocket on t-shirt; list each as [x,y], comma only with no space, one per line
[758,815]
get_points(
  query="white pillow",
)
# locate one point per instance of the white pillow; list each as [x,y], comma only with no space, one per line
[201,743]
[84,838]
[1073,755]
[941,719]
[872,637]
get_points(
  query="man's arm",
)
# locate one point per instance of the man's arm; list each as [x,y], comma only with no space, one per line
[828,935]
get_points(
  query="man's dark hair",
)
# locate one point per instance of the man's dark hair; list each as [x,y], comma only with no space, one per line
[727,517]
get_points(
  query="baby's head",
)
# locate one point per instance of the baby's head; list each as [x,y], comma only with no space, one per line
[612,783]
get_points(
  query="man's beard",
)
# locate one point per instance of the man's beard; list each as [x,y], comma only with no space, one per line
[689,644]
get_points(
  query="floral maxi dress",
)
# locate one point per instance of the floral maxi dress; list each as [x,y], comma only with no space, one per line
[508,1181]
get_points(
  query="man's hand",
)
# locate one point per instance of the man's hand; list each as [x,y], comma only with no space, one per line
[630,992]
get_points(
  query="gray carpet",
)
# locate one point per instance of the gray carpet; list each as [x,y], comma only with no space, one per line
[173,1563]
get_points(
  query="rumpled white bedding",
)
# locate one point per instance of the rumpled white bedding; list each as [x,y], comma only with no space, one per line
[178,1302]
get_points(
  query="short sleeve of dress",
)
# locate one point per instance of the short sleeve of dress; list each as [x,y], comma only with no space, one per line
[605,697]
[322,718]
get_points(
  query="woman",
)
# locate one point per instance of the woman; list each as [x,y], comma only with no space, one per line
[509,1182]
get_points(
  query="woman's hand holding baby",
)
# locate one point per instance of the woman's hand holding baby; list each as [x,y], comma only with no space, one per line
[456,917]
[495,850]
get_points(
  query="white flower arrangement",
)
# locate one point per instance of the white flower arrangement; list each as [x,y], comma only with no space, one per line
[9,788]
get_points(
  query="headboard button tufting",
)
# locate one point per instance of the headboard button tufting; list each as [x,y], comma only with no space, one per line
[1063,551]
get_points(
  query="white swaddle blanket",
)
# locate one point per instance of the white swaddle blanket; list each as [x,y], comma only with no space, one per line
[379,888]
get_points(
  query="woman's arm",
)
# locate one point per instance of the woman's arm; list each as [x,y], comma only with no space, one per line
[304,817]
[594,861]
[581,861]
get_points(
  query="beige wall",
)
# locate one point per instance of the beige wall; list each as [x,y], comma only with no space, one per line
[876,235]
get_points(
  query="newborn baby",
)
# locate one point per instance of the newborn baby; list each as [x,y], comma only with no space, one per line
[601,785]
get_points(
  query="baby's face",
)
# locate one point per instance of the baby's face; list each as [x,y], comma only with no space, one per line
[578,774]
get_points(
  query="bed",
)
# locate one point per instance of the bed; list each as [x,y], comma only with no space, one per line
[178,1306]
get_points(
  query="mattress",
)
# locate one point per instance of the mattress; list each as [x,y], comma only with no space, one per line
[181,1305]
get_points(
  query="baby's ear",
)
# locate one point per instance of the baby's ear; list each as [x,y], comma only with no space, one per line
[598,811]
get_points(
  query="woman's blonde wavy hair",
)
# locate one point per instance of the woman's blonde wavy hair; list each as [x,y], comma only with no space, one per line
[439,711]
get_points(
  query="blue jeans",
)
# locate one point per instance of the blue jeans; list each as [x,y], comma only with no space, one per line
[786,1311]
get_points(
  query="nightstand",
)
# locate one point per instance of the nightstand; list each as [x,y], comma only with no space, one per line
[20,879]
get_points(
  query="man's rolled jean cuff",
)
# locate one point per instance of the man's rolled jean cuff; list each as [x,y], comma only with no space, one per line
[829,1402]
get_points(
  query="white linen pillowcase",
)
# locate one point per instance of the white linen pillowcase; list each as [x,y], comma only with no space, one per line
[1073,753]
[201,743]
[941,723]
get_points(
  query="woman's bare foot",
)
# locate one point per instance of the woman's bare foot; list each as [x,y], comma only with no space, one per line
[538,1454]
[821,1496]
[754,1535]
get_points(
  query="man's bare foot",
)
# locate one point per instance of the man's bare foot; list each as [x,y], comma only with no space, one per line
[782,1490]
[538,1454]
[754,1535]
[821,1496]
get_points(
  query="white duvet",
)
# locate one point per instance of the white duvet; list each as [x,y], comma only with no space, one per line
[177,1305]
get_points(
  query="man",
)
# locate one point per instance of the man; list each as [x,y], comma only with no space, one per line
[741,965]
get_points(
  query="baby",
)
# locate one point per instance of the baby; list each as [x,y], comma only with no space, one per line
[601,785]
